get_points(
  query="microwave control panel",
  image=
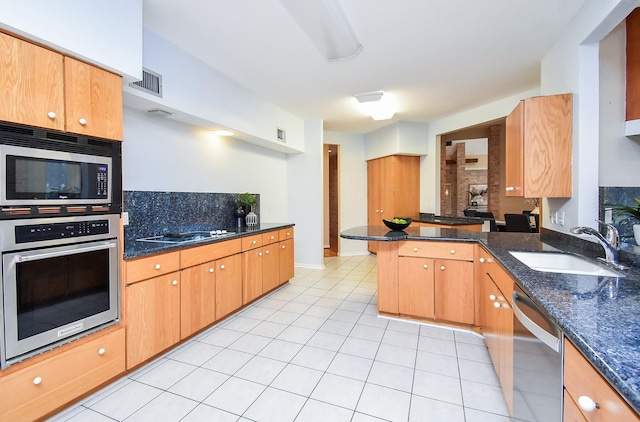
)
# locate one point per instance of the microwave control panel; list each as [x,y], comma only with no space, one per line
[55,231]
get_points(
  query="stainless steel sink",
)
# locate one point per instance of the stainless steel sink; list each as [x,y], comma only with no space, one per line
[554,262]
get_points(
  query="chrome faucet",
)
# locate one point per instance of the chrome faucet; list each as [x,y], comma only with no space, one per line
[610,242]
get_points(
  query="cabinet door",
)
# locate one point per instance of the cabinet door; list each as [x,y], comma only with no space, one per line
[286,261]
[406,186]
[152,317]
[490,305]
[197,298]
[454,291]
[505,339]
[228,285]
[252,275]
[93,100]
[415,287]
[31,84]
[514,151]
[374,190]
[270,267]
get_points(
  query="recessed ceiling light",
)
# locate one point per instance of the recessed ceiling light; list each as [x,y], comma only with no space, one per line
[223,132]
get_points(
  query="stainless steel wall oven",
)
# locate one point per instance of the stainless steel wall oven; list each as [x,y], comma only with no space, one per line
[60,280]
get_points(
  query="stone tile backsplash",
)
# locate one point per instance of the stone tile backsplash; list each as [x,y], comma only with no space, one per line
[155,213]
[613,196]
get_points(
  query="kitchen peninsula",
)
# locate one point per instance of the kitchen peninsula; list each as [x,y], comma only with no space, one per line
[600,316]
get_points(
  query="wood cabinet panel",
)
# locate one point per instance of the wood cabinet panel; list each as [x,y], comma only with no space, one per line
[454,291]
[143,268]
[388,273]
[205,253]
[582,379]
[31,84]
[416,287]
[197,298]
[543,166]
[270,267]
[285,234]
[445,250]
[252,262]
[287,268]
[228,285]
[61,378]
[572,412]
[270,237]
[152,317]
[93,100]
[633,65]
[251,242]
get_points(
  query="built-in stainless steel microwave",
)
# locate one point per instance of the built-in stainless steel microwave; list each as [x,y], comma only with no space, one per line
[33,177]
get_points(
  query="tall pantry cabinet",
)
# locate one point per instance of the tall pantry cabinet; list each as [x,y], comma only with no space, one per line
[393,189]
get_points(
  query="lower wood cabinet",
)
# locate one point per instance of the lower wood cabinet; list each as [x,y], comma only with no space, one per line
[286,267]
[228,272]
[270,267]
[197,298]
[41,388]
[152,317]
[416,287]
[454,289]
[583,386]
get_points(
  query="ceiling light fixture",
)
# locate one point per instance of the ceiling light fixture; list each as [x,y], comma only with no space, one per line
[324,22]
[377,105]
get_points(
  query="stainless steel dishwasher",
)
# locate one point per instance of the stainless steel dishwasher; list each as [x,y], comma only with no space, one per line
[537,361]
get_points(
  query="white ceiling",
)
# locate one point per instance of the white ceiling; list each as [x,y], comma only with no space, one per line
[437,57]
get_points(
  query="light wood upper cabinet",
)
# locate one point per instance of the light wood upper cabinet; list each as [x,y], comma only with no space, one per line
[633,65]
[93,100]
[393,189]
[31,84]
[43,88]
[538,148]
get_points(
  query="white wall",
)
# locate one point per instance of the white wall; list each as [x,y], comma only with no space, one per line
[353,188]
[163,155]
[305,197]
[202,96]
[397,138]
[106,33]
[618,153]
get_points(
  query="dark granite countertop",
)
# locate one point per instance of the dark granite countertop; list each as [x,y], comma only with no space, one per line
[136,249]
[448,220]
[600,315]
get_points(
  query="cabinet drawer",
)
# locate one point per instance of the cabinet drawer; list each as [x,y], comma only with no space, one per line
[582,379]
[285,234]
[270,237]
[201,254]
[251,242]
[152,266]
[446,250]
[49,384]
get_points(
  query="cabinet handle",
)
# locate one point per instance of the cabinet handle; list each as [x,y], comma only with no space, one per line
[587,404]
[415,249]
[82,121]
[512,188]
[259,253]
[271,237]
[481,260]
[496,304]
[157,266]
[174,282]
[288,234]
[381,211]
[101,351]
[453,251]
[211,269]
[282,246]
[254,242]
[492,297]
[267,252]
[37,380]
[222,267]
[425,266]
[51,114]
[442,267]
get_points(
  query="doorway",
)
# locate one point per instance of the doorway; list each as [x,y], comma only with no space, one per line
[331,199]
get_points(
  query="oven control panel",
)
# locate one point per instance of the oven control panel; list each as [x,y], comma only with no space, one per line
[55,231]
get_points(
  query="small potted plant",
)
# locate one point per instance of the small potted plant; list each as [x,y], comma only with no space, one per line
[633,211]
[244,204]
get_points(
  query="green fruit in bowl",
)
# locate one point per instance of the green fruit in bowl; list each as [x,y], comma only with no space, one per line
[399,221]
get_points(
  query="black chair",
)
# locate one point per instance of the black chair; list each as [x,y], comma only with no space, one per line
[488,216]
[518,223]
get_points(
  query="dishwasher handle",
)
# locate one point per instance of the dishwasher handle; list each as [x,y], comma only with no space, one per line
[554,342]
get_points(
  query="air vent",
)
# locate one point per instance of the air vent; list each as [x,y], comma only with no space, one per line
[151,83]
[281,134]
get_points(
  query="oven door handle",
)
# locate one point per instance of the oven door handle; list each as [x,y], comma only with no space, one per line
[46,255]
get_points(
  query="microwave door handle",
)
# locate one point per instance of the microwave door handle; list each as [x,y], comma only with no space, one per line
[543,335]
[34,257]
